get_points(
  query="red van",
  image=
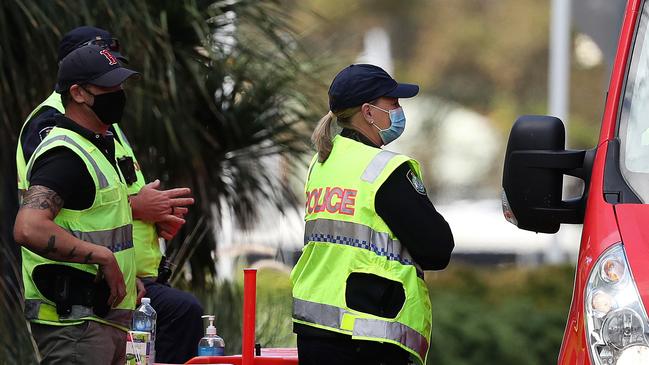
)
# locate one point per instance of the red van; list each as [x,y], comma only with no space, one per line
[608,322]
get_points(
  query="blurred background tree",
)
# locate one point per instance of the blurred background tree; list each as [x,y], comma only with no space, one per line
[489,56]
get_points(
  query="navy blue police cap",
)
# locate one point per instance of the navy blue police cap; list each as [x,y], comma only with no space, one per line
[84,35]
[362,83]
[91,65]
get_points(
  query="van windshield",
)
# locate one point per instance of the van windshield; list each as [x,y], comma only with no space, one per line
[634,118]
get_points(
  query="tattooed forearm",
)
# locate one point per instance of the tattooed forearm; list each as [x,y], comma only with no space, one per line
[40,197]
[51,246]
[88,258]
[71,253]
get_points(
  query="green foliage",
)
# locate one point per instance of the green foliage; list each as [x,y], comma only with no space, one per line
[499,316]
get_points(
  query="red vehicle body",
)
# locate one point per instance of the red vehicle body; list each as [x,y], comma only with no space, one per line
[606,324]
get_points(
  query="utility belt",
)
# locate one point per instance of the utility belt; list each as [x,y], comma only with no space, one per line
[67,287]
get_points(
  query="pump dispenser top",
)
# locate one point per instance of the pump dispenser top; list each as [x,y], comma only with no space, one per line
[210,330]
[211,344]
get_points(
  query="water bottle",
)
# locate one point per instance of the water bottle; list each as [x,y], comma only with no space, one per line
[211,344]
[144,320]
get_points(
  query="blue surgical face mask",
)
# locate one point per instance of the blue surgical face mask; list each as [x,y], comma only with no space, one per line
[397,124]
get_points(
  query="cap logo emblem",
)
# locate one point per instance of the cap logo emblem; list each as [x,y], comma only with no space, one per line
[109,56]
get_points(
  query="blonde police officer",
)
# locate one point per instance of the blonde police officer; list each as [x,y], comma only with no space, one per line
[359,296]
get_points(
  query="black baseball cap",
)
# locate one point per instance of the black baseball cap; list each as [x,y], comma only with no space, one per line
[91,65]
[362,83]
[84,34]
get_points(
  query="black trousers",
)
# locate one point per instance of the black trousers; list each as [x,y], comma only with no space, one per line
[345,351]
[179,326]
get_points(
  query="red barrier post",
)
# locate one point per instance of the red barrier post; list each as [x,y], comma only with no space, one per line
[249,308]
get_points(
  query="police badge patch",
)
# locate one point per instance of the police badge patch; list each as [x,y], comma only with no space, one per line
[416,182]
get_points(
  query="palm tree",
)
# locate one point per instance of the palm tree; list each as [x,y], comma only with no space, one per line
[224,85]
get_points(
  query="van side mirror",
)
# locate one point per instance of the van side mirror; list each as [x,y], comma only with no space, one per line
[535,162]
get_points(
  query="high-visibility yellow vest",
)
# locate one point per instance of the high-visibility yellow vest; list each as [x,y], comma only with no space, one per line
[345,235]
[106,223]
[145,236]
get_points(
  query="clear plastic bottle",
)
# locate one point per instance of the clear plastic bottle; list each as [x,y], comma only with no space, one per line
[144,319]
[211,344]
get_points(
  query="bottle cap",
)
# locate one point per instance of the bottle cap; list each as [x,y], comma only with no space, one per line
[146,300]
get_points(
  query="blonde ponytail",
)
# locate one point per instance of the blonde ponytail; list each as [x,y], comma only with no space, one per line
[321,136]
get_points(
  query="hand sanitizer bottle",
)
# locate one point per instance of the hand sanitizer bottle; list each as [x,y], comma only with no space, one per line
[211,344]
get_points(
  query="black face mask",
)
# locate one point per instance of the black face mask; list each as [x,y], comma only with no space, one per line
[109,107]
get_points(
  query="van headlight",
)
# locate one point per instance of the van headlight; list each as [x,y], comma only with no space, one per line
[616,321]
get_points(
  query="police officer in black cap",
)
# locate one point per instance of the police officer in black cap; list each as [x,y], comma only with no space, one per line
[79,262]
[156,212]
[358,291]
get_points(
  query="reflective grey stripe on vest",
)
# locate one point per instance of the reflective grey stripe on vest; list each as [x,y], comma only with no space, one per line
[331,316]
[357,235]
[323,314]
[399,332]
[121,317]
[103,182]
[376,166]
[117,239]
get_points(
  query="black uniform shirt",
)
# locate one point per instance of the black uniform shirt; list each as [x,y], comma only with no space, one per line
[402,203]
[64,172]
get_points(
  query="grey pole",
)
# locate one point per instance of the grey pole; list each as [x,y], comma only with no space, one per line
[559,72]
[559,86]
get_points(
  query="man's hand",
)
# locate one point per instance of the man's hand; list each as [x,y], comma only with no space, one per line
[153,205]
[113,276]
[141,291]
[168,228]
